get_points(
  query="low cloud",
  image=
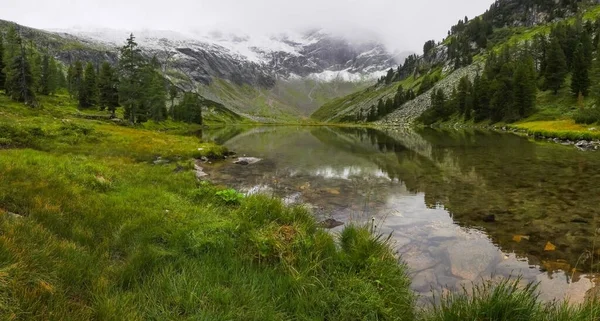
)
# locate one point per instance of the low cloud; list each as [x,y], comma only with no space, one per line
[401,25]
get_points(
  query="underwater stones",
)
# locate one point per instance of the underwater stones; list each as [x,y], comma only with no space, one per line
[424,280]
[579,219]
[489,218]
[470,260]
[330,223]
[246,160]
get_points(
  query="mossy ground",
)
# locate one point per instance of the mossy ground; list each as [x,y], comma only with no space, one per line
[91,229]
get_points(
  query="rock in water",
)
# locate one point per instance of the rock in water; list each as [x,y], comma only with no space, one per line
[247,160]
[469,261]
[585,145]
[200,174]
[330,223]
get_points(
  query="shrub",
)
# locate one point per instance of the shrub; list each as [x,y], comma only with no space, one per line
[587,116]
[230,196]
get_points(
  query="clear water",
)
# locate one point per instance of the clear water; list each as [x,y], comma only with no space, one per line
[461,206]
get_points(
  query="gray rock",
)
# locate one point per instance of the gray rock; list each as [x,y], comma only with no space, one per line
[469,260]
[247,160]
[424,281]
[14,215]
[160,161]
[330,223]
[585,145]
[200,174]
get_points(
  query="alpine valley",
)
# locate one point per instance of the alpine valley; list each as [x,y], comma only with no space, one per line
[268,78]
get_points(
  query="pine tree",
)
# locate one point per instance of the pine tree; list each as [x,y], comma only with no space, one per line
[580,81]
[595,76]
[390,76]
[108,91]
[463,95]
[438,104]
[189,109]
[35,60]
[59,76]
[379,110]
[19,79]
[556,66]
[2,65]
[502,102]
[540,48]
[75,78]
[155,96]
[525,89]
[88,93]
[12,46]
[588,48]
[172,94]
[131,90]
[48,79]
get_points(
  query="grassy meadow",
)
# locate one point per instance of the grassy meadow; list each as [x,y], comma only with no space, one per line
[92,227]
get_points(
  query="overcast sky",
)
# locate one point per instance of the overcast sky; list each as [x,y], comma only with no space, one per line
[401,24]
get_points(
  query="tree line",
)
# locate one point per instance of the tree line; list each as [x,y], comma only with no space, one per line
[135,83]
[383,107]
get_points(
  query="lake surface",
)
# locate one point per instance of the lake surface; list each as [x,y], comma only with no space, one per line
[461,206]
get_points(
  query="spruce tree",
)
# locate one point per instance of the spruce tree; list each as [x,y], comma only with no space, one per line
[483,94]
[525,89]
[379,110]
[75,78]
[580,81]
[48,78]
[88,93]
[502,102]
[463,95]
[108,92]
[19,79]
[390,76]
[595,77]
[12,46]
[131,90]
[556,66]
[2,65]
[155,95]
[59,76]
[588,48]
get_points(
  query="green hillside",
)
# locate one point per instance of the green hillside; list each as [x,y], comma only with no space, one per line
[505,33]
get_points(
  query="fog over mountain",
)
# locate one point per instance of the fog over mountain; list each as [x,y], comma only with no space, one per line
[400,25]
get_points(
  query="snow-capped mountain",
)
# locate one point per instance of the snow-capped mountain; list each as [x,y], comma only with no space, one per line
[257,60]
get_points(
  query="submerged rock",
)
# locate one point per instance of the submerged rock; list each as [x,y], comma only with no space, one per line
[489,218]
[471,260]
[247,160]
[330,223]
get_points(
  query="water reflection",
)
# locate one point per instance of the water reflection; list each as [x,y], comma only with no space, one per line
[462,205]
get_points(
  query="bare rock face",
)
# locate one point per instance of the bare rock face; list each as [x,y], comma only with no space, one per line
[414,108]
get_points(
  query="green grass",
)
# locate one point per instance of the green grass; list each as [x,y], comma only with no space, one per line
[510,301]
[91,229]
[101,233]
